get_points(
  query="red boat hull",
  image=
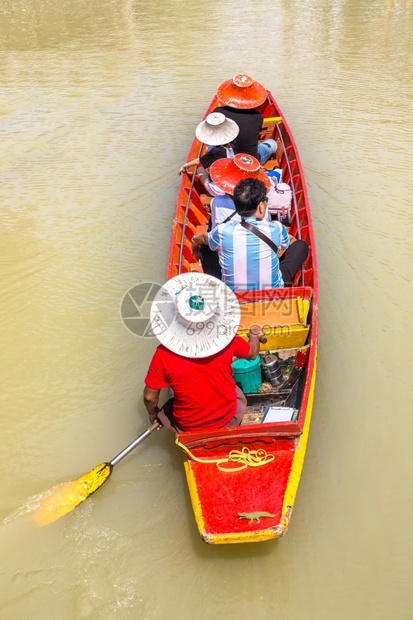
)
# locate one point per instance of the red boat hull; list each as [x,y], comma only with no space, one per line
[220,498]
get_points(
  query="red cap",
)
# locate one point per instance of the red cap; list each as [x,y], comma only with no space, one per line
[242,92]
[227,173]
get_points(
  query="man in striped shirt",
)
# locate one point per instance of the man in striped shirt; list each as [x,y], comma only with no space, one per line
[247,261]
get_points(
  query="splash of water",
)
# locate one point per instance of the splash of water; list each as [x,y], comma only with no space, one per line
[52,504]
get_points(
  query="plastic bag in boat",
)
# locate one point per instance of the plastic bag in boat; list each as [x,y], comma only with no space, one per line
[279,201]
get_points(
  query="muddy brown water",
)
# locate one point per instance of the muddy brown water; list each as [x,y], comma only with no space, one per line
[98,105]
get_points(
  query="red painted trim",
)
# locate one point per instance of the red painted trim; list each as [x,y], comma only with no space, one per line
[250,432]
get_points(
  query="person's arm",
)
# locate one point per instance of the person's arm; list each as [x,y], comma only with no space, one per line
[202,175]
[201,239]
[285,238]
[209,185]
[197,241]
[189,164]
[151,399]
[155,377]
[254,336]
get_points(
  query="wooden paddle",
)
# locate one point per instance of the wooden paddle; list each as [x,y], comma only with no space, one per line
[64,497]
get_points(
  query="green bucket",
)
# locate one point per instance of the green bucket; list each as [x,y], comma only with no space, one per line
[247,374]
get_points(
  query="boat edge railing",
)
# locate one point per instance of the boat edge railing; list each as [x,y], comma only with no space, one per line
[181,248]
[297,216]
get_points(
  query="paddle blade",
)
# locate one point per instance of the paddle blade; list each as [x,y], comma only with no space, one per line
[64,497]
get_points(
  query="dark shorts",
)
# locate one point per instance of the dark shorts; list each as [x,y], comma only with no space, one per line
[166,416]
[292,259]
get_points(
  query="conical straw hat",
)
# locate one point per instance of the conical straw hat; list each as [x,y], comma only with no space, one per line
[242,92]
[195,315]
[217,129]
[227,173]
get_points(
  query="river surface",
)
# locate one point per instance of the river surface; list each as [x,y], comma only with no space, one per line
[98,105]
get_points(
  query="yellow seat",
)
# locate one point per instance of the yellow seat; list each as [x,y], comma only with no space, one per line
[284,321]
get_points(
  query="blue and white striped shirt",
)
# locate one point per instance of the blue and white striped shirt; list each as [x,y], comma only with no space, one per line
[222,207]
[248,263]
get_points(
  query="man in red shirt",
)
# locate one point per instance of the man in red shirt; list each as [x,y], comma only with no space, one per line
[205,394]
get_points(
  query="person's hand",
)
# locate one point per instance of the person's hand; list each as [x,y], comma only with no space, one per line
[153,417]
[196,251]
[182,169]
[158,423]
[206,201]
[292,239]
[256,330]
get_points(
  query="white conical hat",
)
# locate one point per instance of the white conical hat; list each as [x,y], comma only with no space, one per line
[217,129]
[195,315]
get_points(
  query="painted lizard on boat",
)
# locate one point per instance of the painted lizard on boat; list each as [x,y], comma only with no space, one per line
[255,515]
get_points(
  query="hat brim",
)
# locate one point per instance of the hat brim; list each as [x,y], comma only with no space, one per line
[241,98]
[216,135]
[194,339]
[227,175]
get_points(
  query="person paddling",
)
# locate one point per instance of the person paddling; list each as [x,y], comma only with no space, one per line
[196,318]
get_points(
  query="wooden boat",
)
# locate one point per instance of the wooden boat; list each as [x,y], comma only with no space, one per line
[255,504]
